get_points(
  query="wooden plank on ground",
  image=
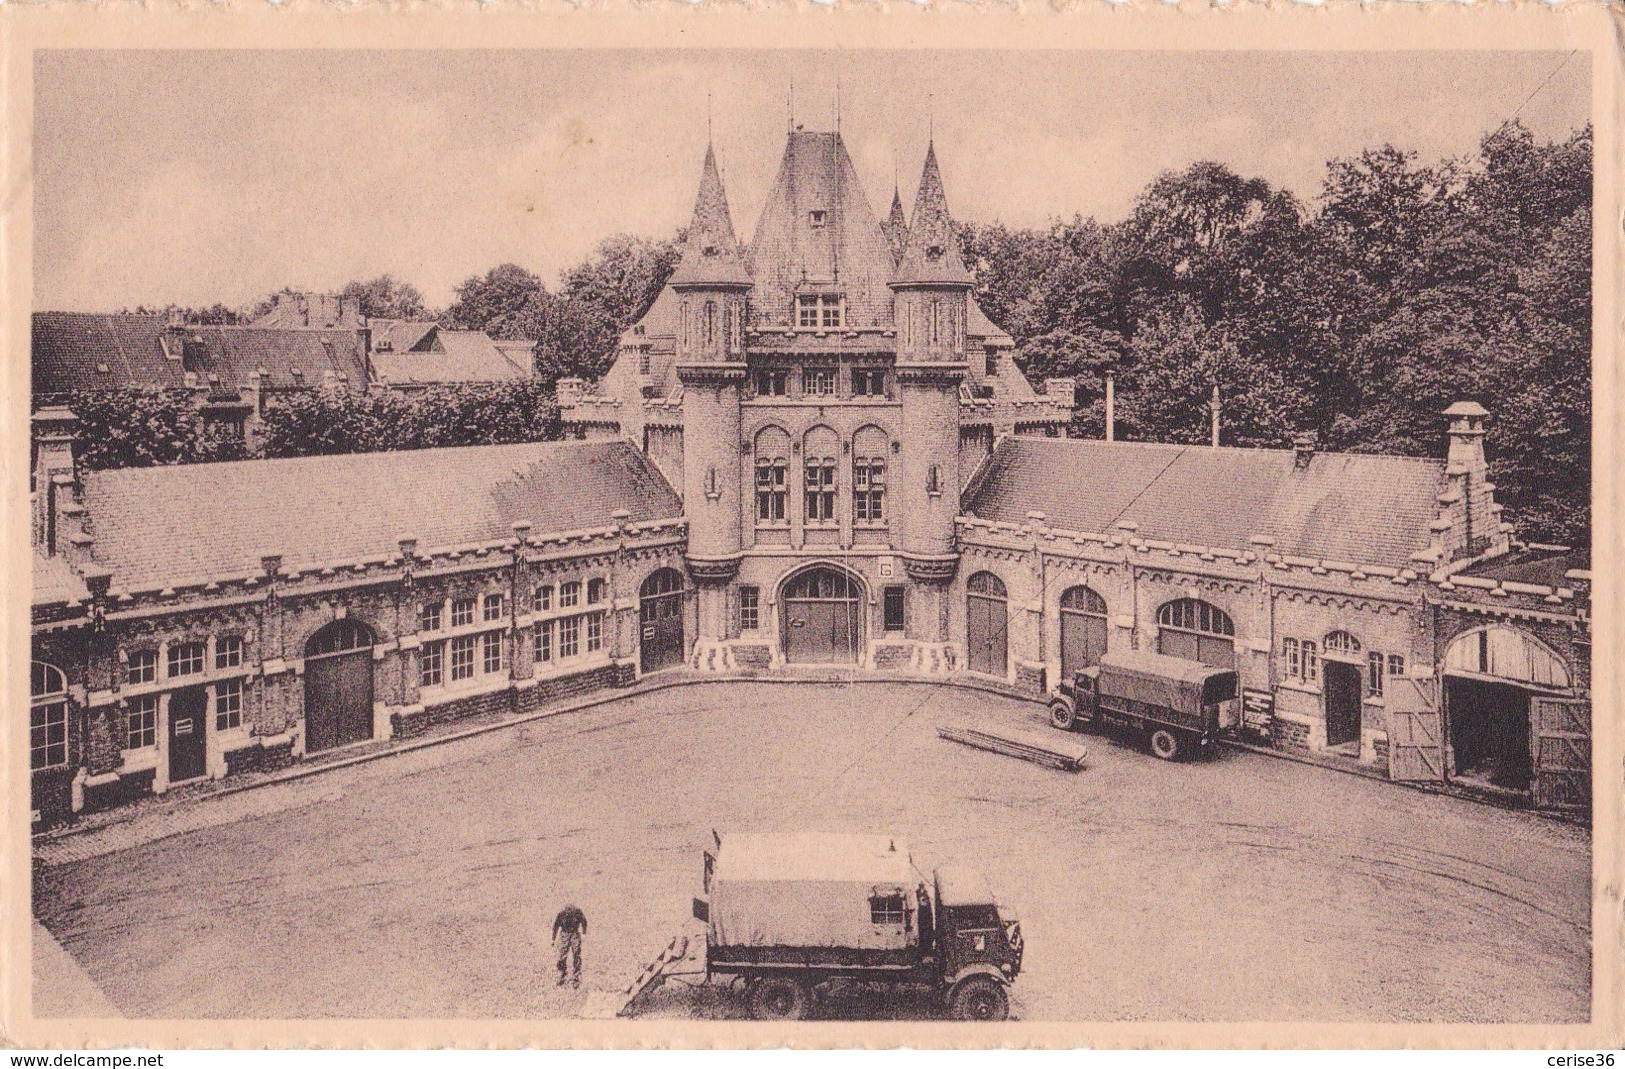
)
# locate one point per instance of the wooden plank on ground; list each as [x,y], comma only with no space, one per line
[1057,751]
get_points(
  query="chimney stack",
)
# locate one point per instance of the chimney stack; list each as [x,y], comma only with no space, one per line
[1303,447]
[1111,405]
[54,429]
[1466,466]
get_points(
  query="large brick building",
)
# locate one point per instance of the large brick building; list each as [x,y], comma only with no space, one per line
[811,450]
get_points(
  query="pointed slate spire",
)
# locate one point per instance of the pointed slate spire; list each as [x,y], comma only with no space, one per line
[896,225]
[711,252]
[932,251]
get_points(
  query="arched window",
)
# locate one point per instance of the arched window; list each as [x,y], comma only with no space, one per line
[710,322]
[772,450]
[1083,600]
[1341,642]
[819,450]
[596,589]
[683,316]
[822,583]
[47,716]
[1197,631]
[986,584]
[340,636]
[870,448]
[1506,653]
[664,581]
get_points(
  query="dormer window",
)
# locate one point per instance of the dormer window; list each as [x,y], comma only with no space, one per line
[934,253]
[818,311]
[710,250]
[818,218]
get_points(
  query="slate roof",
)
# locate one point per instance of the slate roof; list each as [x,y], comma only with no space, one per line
[158,526]
[895,225]
[787,248]
[1361,509]
[457,356]
[710,251]
[69,349]
[55,582]
[932,252]
[402,335]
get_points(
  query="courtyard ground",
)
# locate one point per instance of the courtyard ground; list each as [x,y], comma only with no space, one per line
[1237,888]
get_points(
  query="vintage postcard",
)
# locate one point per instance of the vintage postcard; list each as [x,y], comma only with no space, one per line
[862,527]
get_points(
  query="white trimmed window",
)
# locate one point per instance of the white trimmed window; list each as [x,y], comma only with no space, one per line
[228,651]
[544,598]
[185,659]
[569,594]
[818,382]
[595,631]
[141,723]
[596,590]
[47,717]
[495,606]
[142,667]
[431,616]
[569,636]
[432,664]
[462,657]
[228,705]
[818,311]
[542,642]
[462,612]
[491,652]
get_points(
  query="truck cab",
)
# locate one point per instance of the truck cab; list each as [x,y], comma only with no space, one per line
[978,945]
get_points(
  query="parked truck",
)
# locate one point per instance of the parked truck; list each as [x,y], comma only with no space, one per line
[793,914]
[1178,706]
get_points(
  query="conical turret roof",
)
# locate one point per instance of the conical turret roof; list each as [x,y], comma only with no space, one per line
[896,225]
[932,251]
[711,253]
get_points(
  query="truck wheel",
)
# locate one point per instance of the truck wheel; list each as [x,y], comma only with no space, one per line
[1165,744]
[778,998]
[1061,714]
[979,998]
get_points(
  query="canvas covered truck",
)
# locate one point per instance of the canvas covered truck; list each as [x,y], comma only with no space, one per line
[1178,706]
[792,914]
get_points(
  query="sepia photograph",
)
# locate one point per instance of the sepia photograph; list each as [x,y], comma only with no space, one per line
[655,538]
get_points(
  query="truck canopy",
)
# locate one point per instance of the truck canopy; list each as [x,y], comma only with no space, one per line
[1157,679]
[813,889]
[958,886]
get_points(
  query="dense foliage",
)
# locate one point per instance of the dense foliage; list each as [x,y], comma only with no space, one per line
[324,422]
[1404,287]
[144,427]
[577,327]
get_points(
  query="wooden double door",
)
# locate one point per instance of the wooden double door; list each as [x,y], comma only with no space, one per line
[822,619]
[338,686]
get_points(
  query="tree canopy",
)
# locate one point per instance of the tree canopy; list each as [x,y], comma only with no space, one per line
[1403,287]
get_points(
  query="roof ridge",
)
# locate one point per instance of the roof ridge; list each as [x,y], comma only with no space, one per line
[376,455]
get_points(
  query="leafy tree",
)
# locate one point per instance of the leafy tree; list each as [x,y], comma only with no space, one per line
[385,297]
[597,300]
[142,428]
[505,302]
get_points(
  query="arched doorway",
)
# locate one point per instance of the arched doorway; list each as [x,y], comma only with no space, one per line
[338,686]
[1510,720]
[1341,687]
[1083,629]
[1197,631]
[987,625]
[822,624]
[660,620]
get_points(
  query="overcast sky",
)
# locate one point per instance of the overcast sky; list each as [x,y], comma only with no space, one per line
[197,177]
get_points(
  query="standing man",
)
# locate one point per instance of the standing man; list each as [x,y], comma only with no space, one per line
[568,928]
